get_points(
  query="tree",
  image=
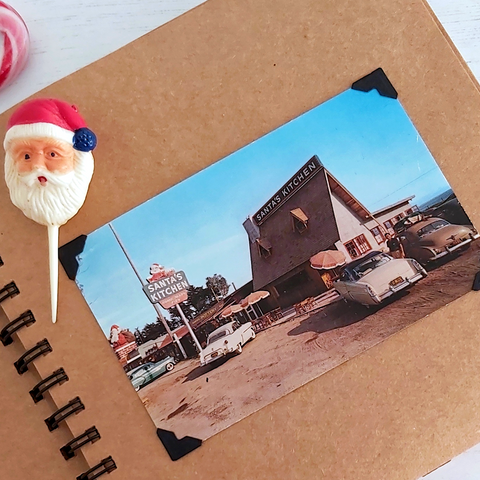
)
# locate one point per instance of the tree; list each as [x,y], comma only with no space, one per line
[138,336]
[199,299]
[218,285]
[150,331]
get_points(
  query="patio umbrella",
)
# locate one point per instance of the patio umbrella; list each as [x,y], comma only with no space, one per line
[230,310]
[253,298]
[327,260]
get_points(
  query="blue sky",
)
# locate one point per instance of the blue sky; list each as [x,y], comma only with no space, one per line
[366,141]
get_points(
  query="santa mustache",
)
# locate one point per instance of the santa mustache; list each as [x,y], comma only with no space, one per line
[41,177]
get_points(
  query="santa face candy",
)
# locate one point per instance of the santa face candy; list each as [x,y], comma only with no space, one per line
[48,167]
[48,160]
[14,44]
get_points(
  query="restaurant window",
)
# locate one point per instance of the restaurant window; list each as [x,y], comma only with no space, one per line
[389,226]
[412,210]
[299,220]
[264,247]
[357,246]
[378,234]
[352,249]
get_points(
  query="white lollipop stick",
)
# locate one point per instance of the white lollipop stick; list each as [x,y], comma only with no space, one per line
[53,261]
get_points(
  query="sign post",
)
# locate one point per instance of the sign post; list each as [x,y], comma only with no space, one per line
[169,292]
[184,318]
[155,306]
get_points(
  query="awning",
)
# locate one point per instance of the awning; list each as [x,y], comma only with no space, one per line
[327,260]
[299,214]
[264,243]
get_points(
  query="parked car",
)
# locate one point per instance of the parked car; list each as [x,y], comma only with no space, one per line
[148,372]
[376,276]
[228,338]
[450,210]
[433,238]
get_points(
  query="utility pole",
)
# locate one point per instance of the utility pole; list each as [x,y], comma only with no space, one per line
[187,324]
[173,337]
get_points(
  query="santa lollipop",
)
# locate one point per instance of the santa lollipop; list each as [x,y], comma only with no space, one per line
[48,168]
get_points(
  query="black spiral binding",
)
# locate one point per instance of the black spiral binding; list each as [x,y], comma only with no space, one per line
[24,320]
[72,407]
[41,348]
[107,465]
[57,377]
[8,291]
[90,435]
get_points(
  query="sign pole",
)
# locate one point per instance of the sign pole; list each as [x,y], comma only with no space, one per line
[155,306]
[184,318]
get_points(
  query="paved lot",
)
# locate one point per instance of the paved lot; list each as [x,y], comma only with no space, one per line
[200,402]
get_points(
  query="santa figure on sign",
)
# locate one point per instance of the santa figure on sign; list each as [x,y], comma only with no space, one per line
[158,272]
[120,337]
[48,167]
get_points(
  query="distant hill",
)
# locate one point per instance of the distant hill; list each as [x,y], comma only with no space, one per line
[437,199]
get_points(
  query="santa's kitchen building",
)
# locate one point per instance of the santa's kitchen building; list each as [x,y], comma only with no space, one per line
[312,213]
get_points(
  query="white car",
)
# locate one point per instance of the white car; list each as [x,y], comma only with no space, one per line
[376,276]
[228,338]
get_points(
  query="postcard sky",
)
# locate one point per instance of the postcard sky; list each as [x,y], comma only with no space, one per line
[365,140]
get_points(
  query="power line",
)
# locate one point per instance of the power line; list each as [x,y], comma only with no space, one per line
[406,185]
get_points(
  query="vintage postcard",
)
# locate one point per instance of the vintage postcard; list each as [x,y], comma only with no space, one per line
[278,263]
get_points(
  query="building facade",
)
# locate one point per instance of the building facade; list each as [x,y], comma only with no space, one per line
[310,213]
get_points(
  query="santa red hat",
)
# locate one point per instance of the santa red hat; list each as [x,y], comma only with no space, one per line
[51,118]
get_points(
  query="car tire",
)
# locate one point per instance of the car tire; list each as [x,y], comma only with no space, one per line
[137,388]
[169,367]
[239,349]
[253,336]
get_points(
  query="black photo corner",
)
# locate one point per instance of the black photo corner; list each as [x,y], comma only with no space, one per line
[376,80]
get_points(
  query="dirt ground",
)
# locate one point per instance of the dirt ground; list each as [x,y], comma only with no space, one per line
[201,401]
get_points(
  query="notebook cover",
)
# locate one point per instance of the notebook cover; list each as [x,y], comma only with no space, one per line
[177,100]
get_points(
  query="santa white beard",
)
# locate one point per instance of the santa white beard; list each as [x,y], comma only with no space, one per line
[56,202]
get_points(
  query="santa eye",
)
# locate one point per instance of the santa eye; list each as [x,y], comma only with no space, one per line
[53,154]
[27,156]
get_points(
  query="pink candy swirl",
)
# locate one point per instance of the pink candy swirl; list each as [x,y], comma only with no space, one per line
[14,44]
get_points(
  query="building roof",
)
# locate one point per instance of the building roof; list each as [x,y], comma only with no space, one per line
[348,199]
[393,206]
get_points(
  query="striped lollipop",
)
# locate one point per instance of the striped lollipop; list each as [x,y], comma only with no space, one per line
[14,44]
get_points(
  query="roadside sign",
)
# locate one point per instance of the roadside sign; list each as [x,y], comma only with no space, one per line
[174,299]
[168,291]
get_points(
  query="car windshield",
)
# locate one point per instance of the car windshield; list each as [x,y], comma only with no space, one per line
[369,264]
[432,227]
[215,336]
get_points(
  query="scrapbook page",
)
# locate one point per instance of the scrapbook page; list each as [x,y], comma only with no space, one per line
[278,263]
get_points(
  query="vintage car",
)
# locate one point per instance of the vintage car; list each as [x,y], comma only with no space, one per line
[433,238]
[373,278]
[228,338]
[450,210]
[148,372]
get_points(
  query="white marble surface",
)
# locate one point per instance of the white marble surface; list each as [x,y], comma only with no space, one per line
[67,35]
